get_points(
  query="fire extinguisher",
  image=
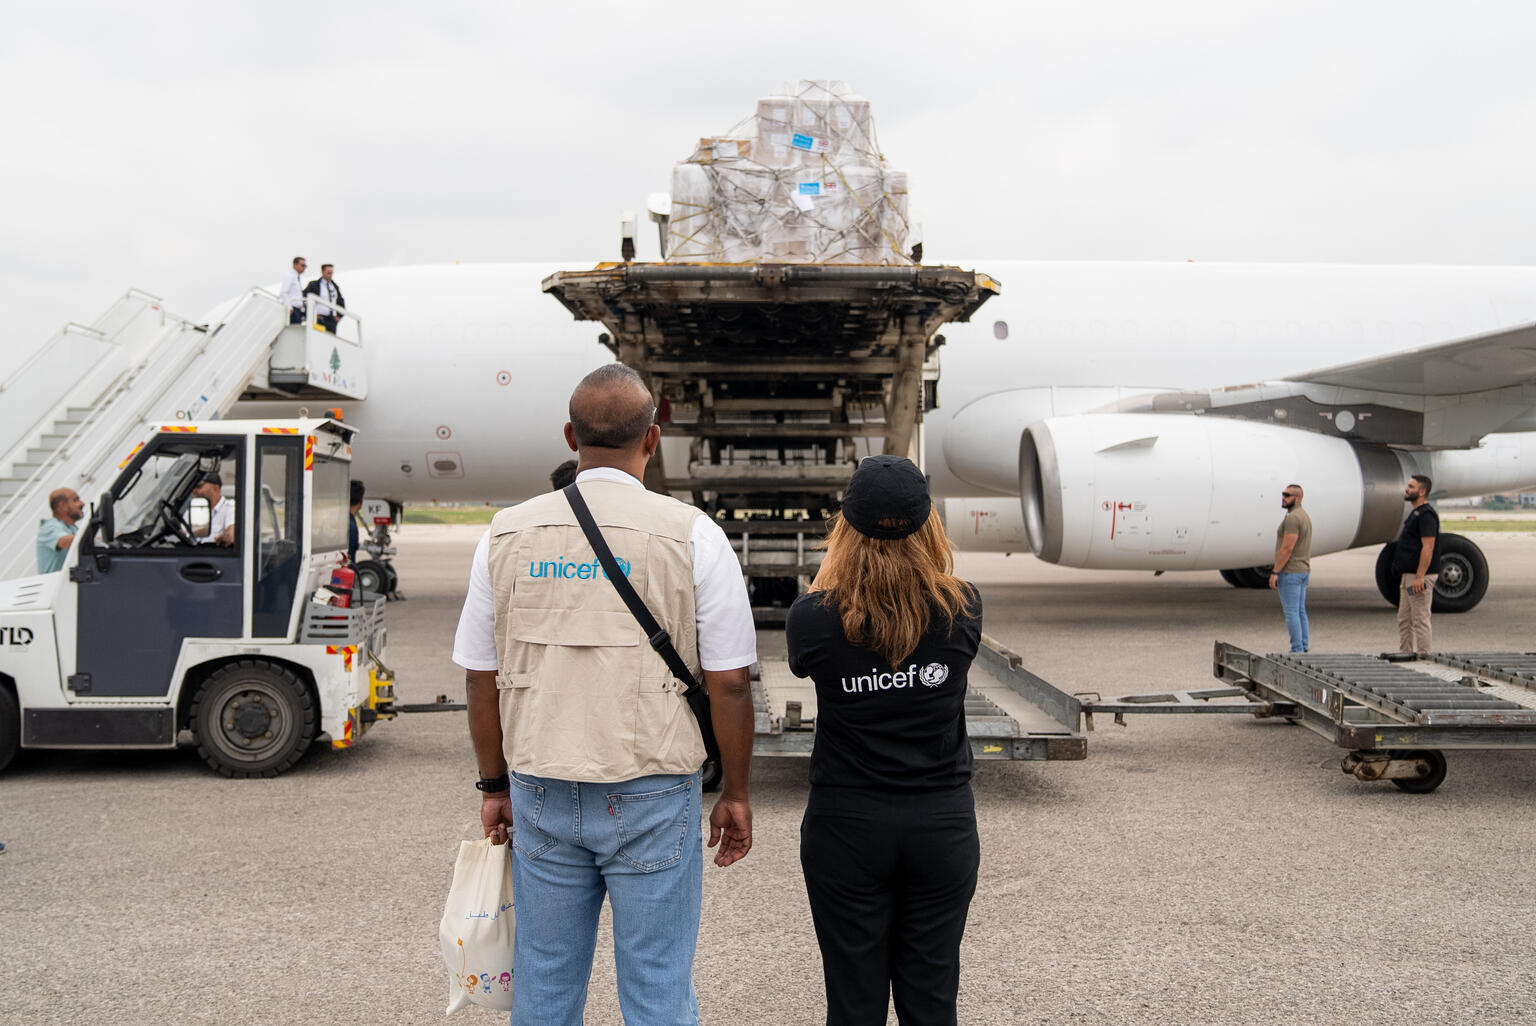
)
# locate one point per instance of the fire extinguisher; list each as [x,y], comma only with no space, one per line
[342,580]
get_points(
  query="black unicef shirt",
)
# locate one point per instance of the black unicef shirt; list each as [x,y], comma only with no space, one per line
[1422,522]
[882,726]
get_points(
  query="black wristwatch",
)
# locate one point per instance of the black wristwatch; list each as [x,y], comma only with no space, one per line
[494,784]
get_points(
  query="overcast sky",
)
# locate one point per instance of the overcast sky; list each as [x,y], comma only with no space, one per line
[191,149]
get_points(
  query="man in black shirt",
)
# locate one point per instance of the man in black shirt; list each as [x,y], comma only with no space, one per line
[1417,560]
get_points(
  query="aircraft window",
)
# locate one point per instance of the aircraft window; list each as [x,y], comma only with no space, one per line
[999,329]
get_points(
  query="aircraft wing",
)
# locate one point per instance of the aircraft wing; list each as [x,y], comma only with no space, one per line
[1482,363]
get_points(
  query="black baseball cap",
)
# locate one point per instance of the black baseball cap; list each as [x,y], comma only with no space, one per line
[887,488]
[211,477]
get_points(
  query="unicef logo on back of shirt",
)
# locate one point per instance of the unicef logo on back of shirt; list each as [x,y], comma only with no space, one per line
[934,674]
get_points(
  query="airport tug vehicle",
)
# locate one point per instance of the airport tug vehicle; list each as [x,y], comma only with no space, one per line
[227,614]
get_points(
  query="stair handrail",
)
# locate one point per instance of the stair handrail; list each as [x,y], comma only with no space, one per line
[311,301]
[70,328]
[99,372]
[168,373]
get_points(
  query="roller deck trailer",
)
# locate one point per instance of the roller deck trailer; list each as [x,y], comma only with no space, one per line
[1394,714]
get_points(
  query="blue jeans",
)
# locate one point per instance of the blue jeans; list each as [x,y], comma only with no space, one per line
[638,841]
[1293,600]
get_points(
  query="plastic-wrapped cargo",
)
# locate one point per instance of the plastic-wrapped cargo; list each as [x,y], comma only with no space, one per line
[801,181]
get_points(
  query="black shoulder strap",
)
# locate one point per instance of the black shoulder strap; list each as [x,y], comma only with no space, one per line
[660,640]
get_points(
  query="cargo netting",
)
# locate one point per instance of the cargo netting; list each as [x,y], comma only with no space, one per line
[801,181]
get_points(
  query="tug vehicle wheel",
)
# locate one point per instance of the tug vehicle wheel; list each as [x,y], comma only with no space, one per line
[10,726]
[253,718]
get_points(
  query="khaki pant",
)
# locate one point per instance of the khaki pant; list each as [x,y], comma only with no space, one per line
[1413,615]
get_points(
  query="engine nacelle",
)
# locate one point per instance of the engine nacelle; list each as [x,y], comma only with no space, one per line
[985,524]
[1181,492]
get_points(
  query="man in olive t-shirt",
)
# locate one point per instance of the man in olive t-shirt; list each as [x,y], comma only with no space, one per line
[1293,566]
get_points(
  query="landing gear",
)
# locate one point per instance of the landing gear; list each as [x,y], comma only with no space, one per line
[378,574]
[1463,579]
[373,576]
[1248,577]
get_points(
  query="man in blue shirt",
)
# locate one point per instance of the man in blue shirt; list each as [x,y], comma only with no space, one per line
[57,533]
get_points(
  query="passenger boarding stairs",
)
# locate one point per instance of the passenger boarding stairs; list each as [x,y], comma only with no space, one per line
[70,413]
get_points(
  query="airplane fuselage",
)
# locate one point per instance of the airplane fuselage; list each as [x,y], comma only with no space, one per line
[470,365]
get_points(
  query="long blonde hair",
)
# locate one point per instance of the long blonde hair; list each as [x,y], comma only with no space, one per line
[887,590]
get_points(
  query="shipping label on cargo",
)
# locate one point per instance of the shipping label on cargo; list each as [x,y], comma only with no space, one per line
[831,188]
[810,143]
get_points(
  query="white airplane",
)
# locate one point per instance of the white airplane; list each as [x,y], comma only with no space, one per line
[1118,388]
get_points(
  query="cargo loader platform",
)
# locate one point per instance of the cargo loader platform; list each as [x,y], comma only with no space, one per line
[1394,714]
[773,381]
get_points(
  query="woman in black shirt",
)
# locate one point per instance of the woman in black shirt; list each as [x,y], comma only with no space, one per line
[888,843]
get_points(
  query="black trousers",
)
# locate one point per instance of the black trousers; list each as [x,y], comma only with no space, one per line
[890,879]
[326,321]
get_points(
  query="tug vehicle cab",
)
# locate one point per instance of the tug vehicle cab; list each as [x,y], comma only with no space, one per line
[196,597]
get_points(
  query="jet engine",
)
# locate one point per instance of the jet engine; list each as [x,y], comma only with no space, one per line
[1188,492]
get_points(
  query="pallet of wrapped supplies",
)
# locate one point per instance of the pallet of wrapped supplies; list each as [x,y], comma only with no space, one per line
[802,181]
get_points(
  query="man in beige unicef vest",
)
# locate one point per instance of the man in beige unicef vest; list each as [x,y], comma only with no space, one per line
[603,792]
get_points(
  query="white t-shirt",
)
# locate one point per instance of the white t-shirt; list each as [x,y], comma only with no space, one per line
[219,517]
[721,610]
[292,293]
[327,291]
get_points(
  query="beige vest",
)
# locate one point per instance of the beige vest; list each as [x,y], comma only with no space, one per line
[583,695]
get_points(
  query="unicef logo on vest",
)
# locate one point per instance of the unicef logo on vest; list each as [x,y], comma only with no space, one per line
[561,568]
[934,674]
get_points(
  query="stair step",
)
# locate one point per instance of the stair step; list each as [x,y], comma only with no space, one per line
[53,440]
[9,487]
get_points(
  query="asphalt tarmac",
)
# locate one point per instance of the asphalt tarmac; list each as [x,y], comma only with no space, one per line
[1192,870]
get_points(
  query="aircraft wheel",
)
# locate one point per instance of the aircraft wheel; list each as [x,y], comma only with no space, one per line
[392,576]
[373,576]
[1429,781]
[1388,582]
[1463,579]
[1230,576]
[1252,576]
[10,726]
[710,776]
[253,718]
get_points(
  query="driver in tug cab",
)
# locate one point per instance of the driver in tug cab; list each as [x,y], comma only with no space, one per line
[221,521]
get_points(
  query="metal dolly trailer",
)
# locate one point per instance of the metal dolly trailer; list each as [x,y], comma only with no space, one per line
[1396,715]
[1010,713]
